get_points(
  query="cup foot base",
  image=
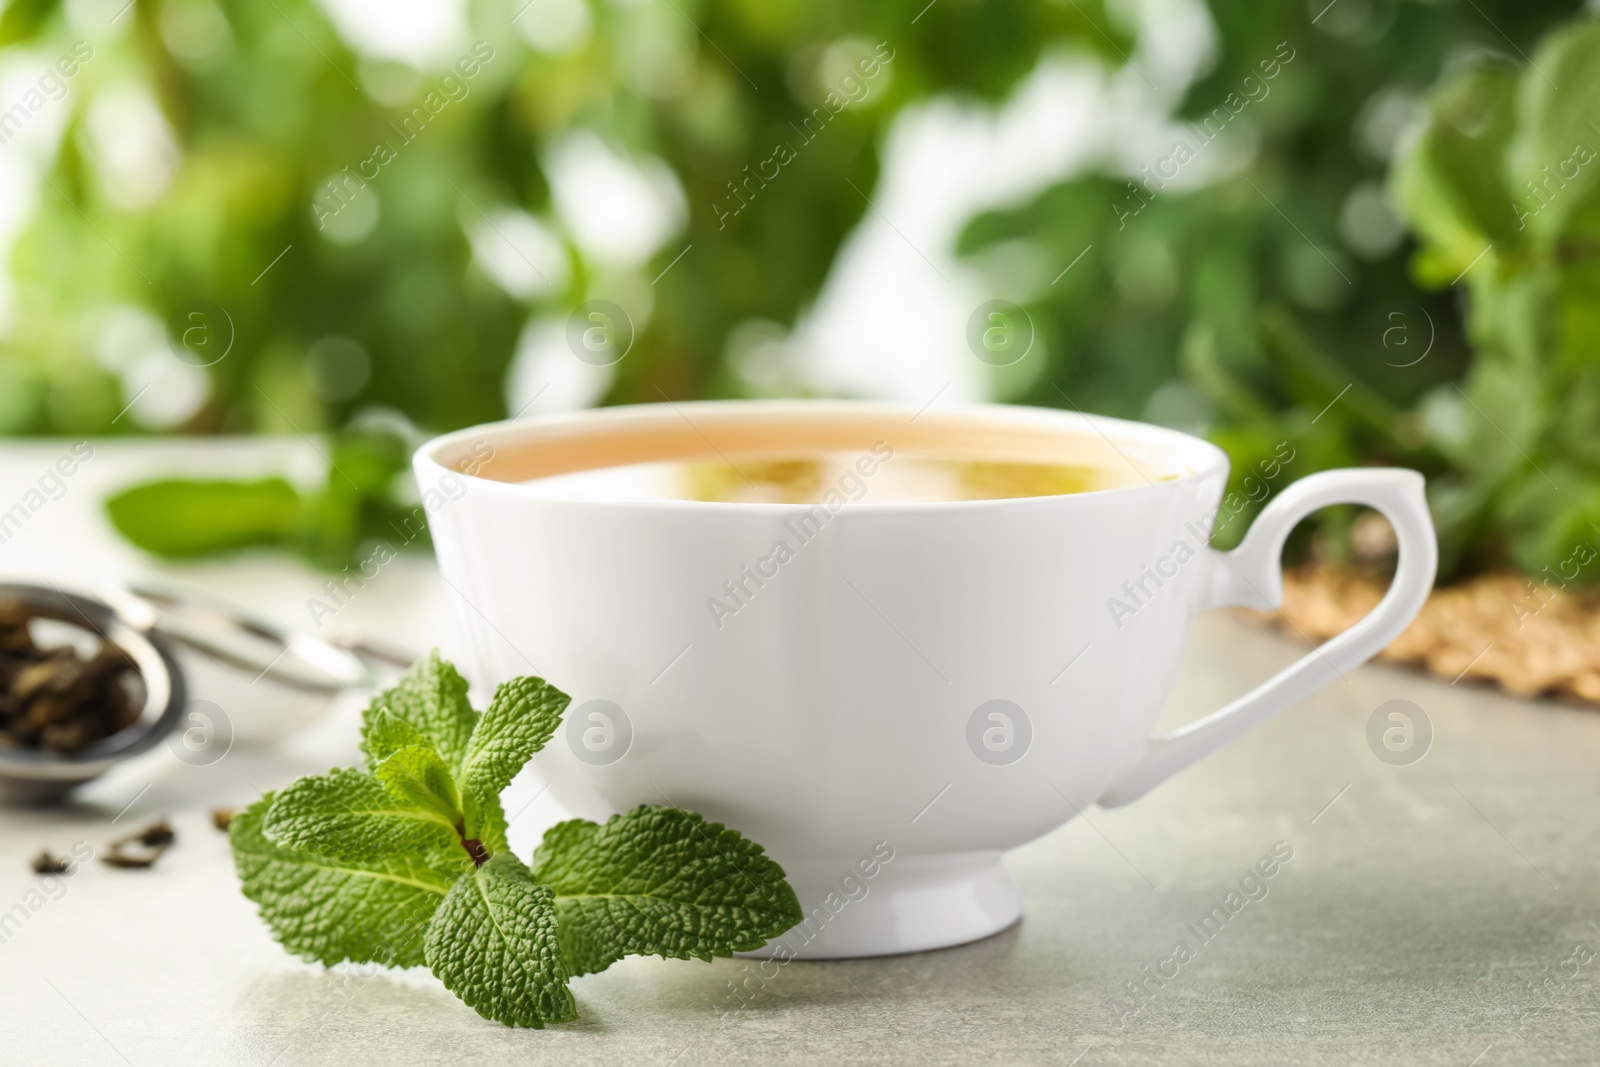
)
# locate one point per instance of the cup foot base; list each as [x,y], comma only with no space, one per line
[912,904]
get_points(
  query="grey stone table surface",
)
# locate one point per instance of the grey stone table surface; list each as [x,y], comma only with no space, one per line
[1440,912]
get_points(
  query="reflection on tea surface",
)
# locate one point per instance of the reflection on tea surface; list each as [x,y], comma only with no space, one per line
[896,478]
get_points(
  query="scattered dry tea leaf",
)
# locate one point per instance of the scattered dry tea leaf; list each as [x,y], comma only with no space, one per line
[118,858]
[141,848]
[222,818]
[46,863]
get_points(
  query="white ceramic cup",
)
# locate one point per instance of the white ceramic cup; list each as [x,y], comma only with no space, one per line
[914,688]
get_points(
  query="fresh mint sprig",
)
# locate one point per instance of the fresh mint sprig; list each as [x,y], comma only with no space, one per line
[405,862]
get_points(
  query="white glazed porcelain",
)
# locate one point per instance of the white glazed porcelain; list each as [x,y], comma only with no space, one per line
[843,716]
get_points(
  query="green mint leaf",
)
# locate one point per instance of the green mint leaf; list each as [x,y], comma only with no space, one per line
[348,814]
[1550,126]
[431,698]
[328,910]
[660,881]
[385,733]
[416,777]
[485,822]
[521,719]
[493,944]
[1449,184]
[182,518]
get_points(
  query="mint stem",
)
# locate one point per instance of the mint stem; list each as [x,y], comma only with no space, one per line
[474,847]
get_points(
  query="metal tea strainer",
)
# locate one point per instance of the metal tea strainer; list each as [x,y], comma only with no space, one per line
[195,659]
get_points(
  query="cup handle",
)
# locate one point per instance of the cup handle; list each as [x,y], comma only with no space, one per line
[1252,576]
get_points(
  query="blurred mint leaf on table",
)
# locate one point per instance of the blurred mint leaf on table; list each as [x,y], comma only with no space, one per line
[405,863]
[185,518]
[341,523]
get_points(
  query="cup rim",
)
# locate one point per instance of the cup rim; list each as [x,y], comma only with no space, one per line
[1203,458]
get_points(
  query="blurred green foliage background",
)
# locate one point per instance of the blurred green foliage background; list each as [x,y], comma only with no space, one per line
[1379,270]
